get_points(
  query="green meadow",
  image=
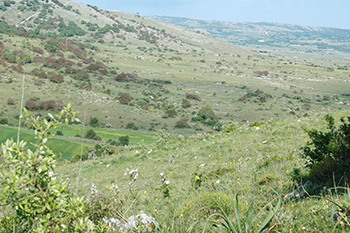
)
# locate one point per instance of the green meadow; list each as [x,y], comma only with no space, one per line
[65,147]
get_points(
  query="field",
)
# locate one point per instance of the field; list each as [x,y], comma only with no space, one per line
[67,146]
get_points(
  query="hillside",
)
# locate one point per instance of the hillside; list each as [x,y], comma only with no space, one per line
[135,73]
[272,36]
[253,160]
[204,118]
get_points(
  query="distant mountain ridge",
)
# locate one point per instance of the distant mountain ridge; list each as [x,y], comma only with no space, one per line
[270,35]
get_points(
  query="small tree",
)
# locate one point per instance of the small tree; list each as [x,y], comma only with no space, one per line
[38,200]
[90,134]
[328,153]
[124,140]
[206,113]
[94,122]
[131,125]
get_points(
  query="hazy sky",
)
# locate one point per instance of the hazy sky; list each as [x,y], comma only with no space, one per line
[329,13]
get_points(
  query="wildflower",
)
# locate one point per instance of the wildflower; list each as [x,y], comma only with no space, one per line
[94,190]
[115,188]
[197,178]
[167,182]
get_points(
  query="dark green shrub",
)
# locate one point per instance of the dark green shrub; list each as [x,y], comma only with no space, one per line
[94,122]
[4,121]
[131,125]
[124,140]
[59,133]
[92,135]
[206,113]
[328,153]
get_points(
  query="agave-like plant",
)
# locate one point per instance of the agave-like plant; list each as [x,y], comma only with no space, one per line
[225,224]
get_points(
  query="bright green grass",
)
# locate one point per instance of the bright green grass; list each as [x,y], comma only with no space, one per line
[66,148]
[106,134]
[62,147]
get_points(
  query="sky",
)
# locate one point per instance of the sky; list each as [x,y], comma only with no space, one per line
[327,13]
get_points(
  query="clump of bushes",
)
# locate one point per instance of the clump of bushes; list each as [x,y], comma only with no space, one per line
[328,153]
[124,97]
[171,112]
[206,116]
[126,77]
[193,96]
[131,126]
[182,124]
[11,101]
[3,121]
[35,104]
[90,134]
[94,122]
[186,103]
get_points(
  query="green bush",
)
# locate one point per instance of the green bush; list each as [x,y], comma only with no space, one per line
[206,113]
[328,153]
[37,200]
[124,140]
[4,121]
[94,122]
[90,134]
[132,126]
[59,133]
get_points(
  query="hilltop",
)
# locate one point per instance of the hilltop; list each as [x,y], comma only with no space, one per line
[272,36]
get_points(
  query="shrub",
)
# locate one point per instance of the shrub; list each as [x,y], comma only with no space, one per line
[124,140]
[38,50]
[56,79]
[181,124]
[328,152]
[10,101]
[192,96]
[3,121]
[36,199]
[186,103]
[126,77]
[206,113]
[90,134]
[59,133]
[124,97]
[94,122]
[131,125]
[171,112]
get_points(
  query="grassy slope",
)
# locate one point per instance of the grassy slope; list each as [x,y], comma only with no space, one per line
[247,154]
[293,79]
